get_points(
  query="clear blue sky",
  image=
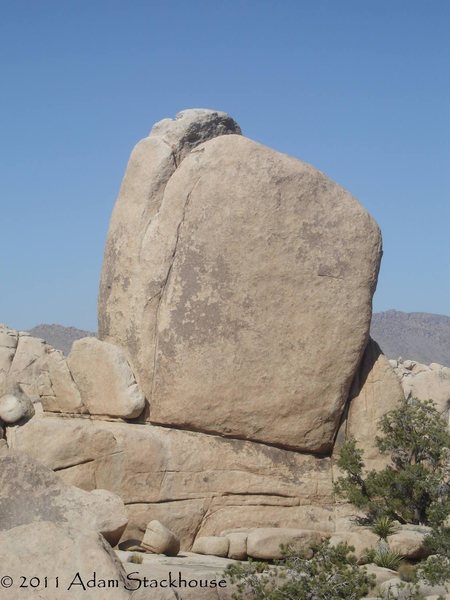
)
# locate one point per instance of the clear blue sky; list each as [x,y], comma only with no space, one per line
[358,88]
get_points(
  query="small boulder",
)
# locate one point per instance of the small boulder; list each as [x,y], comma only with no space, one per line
[15,407]
[361,540]
[104,377]
[109,513]
[213,544]
[57,389]
[409,543]
[160,540]
[381,574]
[265,543]
[238,545]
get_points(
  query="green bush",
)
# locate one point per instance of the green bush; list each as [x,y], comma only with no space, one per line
[415,488]
[332,574]
[435,570]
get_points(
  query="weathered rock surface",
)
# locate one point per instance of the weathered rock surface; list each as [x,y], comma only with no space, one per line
[214,544]
[160,540]
[237,548]
[104,378]
[375,391]
[26,364]
[8,346]
[31,492]
[191,482]
[409,542]
[188,567]
[58,391]
[381,574]
[361,539]
[173,273]
[265,543]
[58,552]
[96,379]
[30,365]
[130,287]
[425,382]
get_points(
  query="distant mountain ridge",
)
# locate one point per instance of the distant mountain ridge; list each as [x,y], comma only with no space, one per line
[58,336]
[423,337]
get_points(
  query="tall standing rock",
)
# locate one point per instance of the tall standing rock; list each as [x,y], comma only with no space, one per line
[239,280]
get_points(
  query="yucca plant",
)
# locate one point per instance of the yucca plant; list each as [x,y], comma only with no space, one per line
[383,527]
[384,556]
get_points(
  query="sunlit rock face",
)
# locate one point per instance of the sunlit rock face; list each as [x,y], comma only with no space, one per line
[239,281]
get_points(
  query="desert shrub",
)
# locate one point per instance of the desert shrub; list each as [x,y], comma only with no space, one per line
[415,487]
[332,574]
[384,526]
[408,591]
[438,541]
[435,570]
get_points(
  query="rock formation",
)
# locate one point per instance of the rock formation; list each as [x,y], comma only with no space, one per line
[425,382]
[234,360]
[239,283]
[195,484]
[105,380]
[375,391]
[55,558]
[31,492]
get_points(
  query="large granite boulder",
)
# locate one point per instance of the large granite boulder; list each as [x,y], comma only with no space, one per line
[31,492]
[51,561]
[239,282]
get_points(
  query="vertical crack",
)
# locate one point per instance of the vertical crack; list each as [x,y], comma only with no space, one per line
[166,280]
[202,520]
